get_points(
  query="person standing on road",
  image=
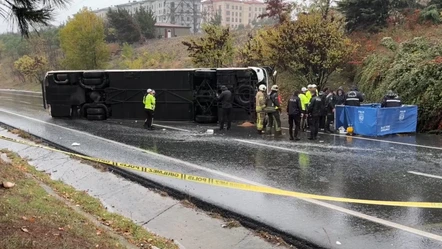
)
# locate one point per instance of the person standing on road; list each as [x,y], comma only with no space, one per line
[330,103]
[226,107]
[314,110]
[340,96]
[149,108]
[391,99]
[304,102]
[323,95]
[260,102]
[273,109]
[294,110]
[354,97]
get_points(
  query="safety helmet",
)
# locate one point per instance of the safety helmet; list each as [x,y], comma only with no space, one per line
[262,88]
[390,93]
[274,88]
[314,86]
[304,89]
[310,86]
[153,91]
[149,90]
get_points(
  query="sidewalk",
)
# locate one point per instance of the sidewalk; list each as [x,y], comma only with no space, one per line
[187,226]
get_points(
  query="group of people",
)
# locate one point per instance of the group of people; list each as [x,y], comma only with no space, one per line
[309,108]
[149,108]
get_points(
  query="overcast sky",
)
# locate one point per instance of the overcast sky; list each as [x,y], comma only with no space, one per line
[71,9]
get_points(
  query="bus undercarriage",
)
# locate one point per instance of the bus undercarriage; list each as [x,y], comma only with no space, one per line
[181,94]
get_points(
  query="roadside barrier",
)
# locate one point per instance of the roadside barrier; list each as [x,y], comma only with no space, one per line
[234,185]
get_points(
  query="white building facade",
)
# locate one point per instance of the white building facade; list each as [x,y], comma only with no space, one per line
[178,12]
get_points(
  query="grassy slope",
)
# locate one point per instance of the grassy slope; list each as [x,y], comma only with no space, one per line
[50,223]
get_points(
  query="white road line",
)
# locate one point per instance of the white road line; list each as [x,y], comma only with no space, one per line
[378,140]
[25,102]
[171,127]
[424,174]
[270,146]
[320,203]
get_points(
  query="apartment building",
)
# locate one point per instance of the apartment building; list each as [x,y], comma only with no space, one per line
[233,12]
[177,12]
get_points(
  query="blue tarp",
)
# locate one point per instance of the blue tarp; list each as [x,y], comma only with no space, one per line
[372,120]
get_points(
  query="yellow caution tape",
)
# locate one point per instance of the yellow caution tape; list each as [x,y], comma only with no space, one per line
[236,185]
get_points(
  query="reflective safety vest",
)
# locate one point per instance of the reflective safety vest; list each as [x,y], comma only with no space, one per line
[149,102]
[304,101]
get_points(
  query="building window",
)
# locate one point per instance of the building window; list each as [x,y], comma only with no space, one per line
[236,19]
[256,9]
[227,12]
[240,14]
[236,7]
[240,8]
[250,8]
[250,14]
[227,6]
[236,14]
[227,19]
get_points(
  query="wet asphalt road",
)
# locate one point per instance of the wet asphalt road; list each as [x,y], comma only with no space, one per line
[336,166]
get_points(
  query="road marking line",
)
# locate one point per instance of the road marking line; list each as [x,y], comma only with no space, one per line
[378,140]
[25,102]
[320,203]
[172,128]
[424,174]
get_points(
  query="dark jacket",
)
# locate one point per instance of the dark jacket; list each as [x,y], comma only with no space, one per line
[354,98]
[273,100]
[391,101]
[330,103]
[294,106]
[323,101]
[340,99]
[315,106]
[225,98]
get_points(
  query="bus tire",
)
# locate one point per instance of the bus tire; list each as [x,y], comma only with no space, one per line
[96,117]
[95,111]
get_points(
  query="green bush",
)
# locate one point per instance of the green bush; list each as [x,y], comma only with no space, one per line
[414,71]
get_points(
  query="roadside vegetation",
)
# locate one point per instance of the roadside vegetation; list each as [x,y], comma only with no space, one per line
[376,45]
[50,222]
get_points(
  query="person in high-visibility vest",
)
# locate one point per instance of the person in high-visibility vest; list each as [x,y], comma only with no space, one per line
[304,104]
[149,108]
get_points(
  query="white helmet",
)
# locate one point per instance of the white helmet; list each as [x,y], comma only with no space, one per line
[275,88]
[149,90]
[304,89]
[314,86]
[309,86]
[262,88]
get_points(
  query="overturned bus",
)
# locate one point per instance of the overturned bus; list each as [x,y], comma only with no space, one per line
[181,94]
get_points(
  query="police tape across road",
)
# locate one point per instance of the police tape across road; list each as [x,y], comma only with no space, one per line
[234,185]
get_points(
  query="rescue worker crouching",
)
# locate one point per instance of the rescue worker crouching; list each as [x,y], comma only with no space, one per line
[314,110]
[149,108]
[391,99]
[294,110]
[260,100]
[273,110]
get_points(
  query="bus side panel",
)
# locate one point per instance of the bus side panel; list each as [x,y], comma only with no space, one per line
[174,94]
